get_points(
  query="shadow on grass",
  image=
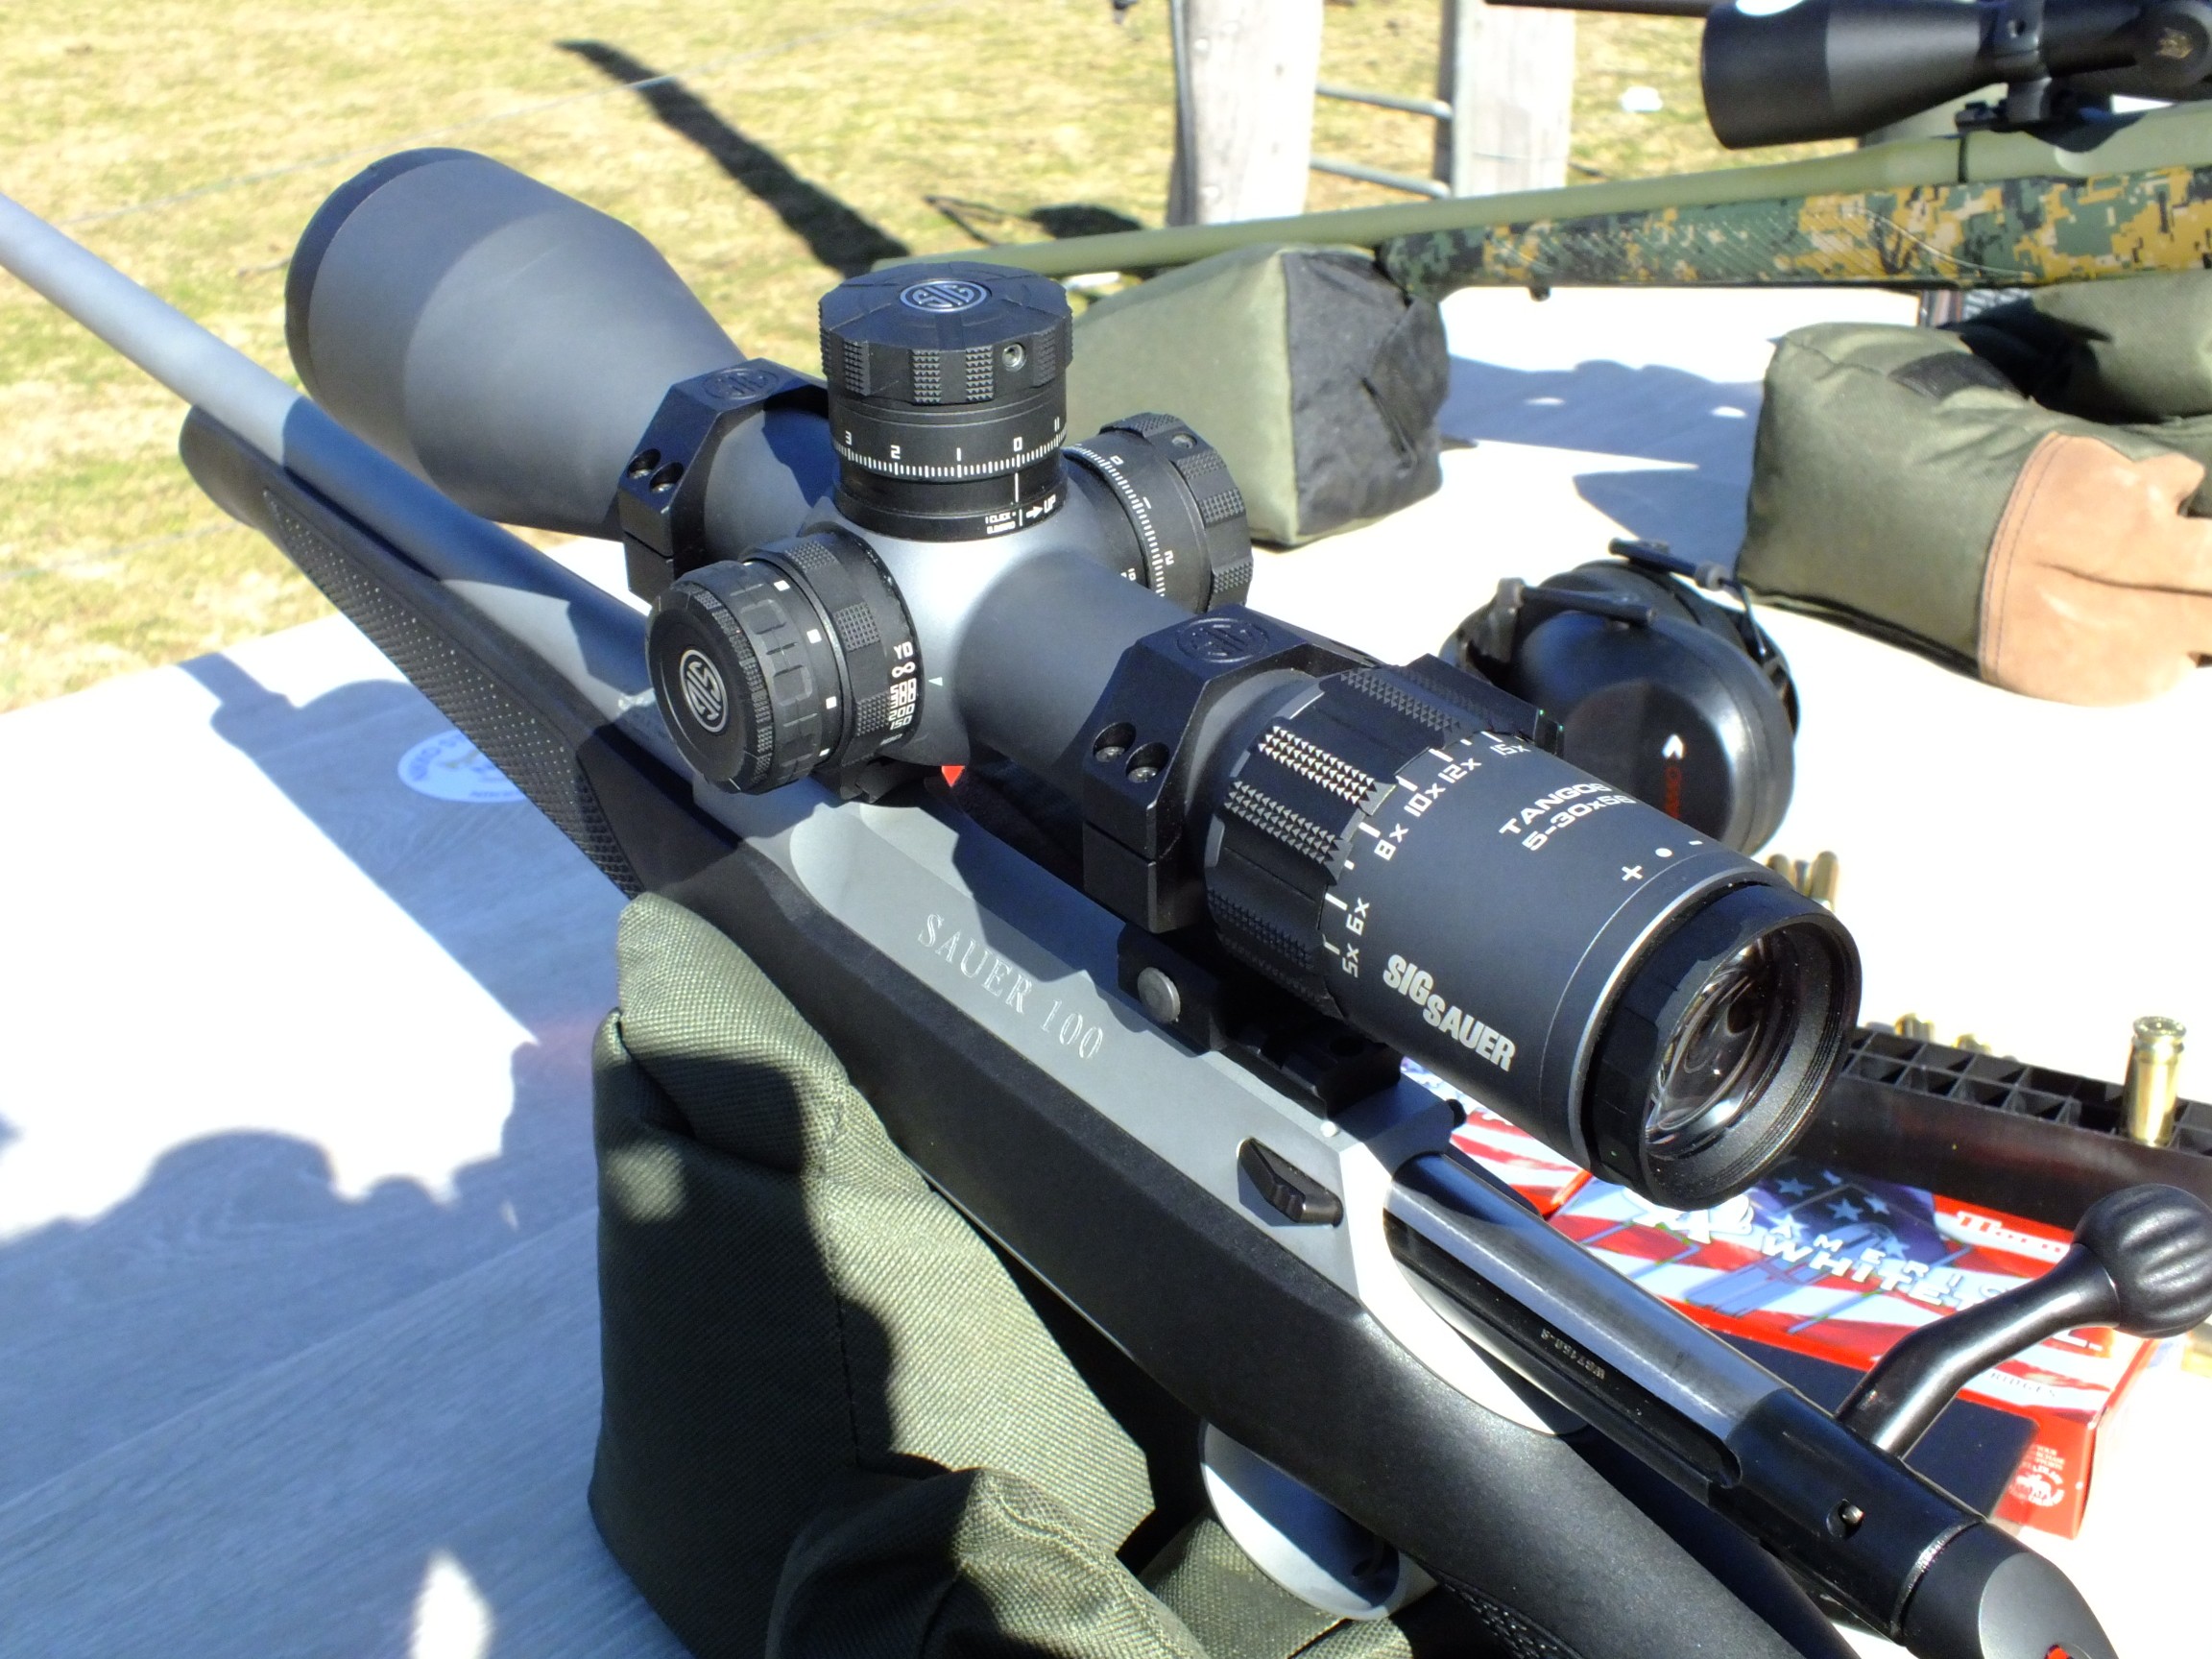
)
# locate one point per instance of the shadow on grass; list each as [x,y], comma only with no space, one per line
[990,224]
[845,241]
[1081,218]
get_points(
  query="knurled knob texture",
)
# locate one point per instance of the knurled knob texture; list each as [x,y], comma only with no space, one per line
[946,399]
[938,335]
[1288,816]
[746,674]
[1188,539]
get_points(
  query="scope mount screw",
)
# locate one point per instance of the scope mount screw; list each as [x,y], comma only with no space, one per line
[1845,1519]
[1161,996]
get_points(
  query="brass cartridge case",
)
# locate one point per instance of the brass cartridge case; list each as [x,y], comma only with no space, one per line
[2153,1078]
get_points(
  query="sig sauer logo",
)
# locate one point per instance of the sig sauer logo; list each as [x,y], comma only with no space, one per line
[735,385]
[704,692]
[944,294]
[1222,639]
[1419,985]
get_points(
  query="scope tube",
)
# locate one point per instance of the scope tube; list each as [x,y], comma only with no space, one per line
[1644,1000]
[1037,647]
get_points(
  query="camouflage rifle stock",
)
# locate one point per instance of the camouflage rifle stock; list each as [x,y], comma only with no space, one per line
[2116,196]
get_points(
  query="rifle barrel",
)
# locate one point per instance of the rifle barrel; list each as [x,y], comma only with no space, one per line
[2158,141]
[587,634]
[148,330]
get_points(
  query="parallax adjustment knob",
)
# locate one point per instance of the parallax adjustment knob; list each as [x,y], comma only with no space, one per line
[798,659]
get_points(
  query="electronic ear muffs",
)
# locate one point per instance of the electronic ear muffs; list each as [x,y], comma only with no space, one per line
[1681,700]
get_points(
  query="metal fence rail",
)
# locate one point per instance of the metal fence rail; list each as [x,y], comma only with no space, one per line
[1435,109]
[1463,167]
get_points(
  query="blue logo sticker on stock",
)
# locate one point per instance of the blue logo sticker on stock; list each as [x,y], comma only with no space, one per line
[449,767]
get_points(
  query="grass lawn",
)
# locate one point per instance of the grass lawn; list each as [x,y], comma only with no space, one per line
[188,142]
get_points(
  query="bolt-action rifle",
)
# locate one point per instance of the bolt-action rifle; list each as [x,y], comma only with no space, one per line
[1158,1060]
[2043,184]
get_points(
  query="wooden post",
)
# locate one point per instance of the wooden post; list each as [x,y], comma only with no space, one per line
[1509,73]
[1244,73]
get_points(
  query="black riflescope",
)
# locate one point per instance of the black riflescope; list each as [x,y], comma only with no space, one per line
[913,564]
[1796,71]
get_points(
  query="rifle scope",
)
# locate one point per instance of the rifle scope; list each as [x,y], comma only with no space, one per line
[908,566]
[1784,73]
[1798,71]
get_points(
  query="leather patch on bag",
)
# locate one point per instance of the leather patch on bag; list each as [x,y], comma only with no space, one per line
[1945,375]
[2098,587]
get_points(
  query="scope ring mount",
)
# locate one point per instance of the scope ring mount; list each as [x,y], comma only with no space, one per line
[661,502]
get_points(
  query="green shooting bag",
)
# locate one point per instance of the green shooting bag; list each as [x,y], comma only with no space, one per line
[1313,374]
[835,1424]
[2136,351]
[1906,484]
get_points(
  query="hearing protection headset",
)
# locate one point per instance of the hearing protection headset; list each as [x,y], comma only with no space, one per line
[1673,696]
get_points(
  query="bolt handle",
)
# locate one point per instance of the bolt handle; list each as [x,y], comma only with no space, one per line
[2155,1243]
[2141,1262]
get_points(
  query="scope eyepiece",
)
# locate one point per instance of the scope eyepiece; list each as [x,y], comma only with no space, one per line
[948,398]
[1618,983]
[1789,71]
[1718,1047]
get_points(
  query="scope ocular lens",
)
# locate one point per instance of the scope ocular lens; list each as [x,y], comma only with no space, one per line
[1716,1051]
[1723,1053]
